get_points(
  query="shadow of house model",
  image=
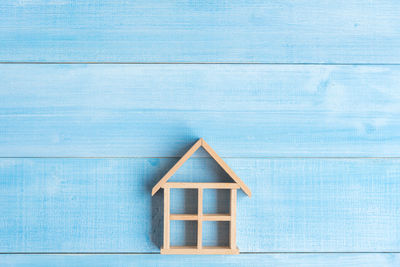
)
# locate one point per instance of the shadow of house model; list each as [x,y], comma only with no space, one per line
[200,217]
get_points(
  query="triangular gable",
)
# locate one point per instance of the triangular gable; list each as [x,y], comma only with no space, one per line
[213,154]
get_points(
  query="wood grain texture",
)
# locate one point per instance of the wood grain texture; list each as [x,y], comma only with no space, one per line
[104,205]
[344,31]
[253,260]
[250,114]
[161,110]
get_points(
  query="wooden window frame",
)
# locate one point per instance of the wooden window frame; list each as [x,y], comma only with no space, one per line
[200,218]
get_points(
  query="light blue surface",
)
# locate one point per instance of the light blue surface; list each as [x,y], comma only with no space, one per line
[342,31]
[160,110]
[81,145]
[104,205]
[259,260]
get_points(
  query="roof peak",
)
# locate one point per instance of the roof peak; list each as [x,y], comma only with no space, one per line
[201,143]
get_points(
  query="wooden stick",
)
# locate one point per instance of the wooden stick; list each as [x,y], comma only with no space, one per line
[166,218]
[183,217]
[216,217]
[204,251]
[195,217]
[200,218]
[232,228]
[176,167]
[201,185]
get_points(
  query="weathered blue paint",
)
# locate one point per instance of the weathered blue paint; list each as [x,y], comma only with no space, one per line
[254,260]
[253,115]
[105,205]
[344,31]
[160,110]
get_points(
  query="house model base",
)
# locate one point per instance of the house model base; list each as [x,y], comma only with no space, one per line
[200,217]
[203,251]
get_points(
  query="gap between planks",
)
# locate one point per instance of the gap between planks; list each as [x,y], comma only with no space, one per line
[194,63]
[155,253]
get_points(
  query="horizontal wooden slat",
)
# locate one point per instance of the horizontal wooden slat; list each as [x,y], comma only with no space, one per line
[201,185]
[206,217]
[105,205]
[253,260]
[216,217]
[219,31]
[184,217]
[212,250]
[161,110]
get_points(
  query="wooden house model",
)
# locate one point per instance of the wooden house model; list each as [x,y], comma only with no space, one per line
[200,217]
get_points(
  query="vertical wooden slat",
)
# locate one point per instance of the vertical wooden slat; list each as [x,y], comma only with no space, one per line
[200,218]
[232,228]
[166,218]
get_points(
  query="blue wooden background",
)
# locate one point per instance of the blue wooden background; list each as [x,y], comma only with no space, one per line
[98,99]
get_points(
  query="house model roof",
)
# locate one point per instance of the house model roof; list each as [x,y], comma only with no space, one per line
[213,154]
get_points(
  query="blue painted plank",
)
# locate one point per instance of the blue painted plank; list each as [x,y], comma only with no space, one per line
[345,31]
[104,205]
[253,260]
[159,110]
